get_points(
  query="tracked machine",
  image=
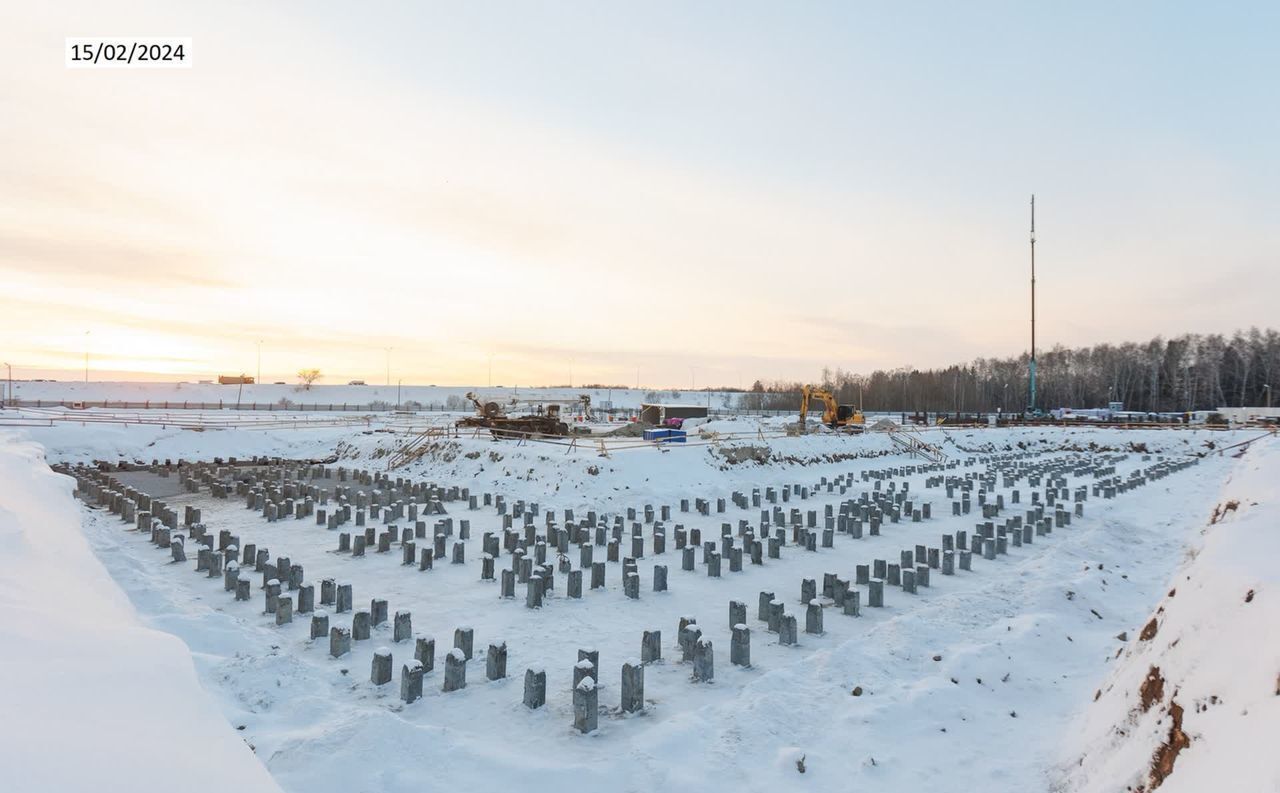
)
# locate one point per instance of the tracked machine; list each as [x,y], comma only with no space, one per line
[835,416]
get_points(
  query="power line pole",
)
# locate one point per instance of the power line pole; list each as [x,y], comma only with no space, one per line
[1032,367]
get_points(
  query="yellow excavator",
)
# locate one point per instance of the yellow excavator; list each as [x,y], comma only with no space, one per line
[833,415]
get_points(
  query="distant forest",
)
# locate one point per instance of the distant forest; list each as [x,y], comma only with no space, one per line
[1190,372]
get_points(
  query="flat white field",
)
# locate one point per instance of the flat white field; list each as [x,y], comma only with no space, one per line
[339,394]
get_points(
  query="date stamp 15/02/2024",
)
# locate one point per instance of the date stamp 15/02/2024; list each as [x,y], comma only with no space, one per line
[124,52]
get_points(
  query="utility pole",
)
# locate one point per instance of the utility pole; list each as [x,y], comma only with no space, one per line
[258,379]
[1032,367]
[398,384]
[388,349]
[9,394]
[86,356]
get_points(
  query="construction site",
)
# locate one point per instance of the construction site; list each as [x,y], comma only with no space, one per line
[639,397]
[851,553]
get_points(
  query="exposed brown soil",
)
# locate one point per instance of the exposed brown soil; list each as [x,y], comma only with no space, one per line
[1167,753]
[1152,689]
[1221,510]
[1149,630]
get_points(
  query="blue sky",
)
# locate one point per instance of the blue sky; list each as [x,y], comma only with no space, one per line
[740,189]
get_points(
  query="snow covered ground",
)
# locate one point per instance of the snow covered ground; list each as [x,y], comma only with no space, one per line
[93,698]
[1198,686]
[976,681]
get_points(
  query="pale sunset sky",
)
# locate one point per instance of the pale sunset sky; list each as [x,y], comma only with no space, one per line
[703,192]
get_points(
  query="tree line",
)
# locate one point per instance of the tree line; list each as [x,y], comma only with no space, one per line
[1184,373]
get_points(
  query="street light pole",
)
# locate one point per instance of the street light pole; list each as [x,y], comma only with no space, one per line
[8,394]
[258,379]
[86,356]
[1266,387]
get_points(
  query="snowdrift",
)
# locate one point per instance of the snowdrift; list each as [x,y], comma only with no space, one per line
[1194,702]
[92,699]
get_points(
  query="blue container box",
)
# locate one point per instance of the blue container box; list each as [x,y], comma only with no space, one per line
[665,435]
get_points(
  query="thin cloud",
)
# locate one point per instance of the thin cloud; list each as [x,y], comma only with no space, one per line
[111,261]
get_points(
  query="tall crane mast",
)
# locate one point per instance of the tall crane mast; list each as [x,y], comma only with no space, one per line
[1031,407]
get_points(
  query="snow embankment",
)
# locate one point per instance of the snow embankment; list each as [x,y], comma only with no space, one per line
[1194,702]
[92,700]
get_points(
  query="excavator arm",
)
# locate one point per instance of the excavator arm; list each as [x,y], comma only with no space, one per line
[830,410]
[831,413]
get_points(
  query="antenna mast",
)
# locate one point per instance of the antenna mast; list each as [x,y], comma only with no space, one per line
[1032,365]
